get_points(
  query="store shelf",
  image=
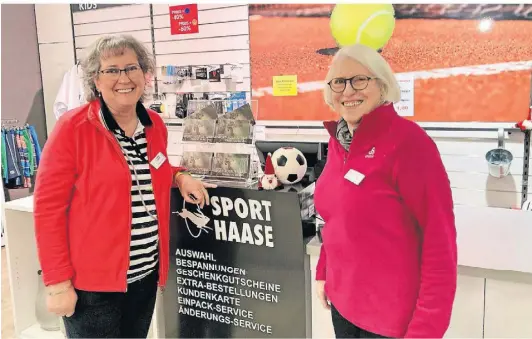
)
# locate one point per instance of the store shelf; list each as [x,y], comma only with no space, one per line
[35,332]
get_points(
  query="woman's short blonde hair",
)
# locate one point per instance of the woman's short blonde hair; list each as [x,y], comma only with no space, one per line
[375,63]
[112,45]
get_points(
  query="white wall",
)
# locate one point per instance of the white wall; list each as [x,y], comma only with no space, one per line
[90,25]
[54,34]
[465,162]
[463,154]
[223,38]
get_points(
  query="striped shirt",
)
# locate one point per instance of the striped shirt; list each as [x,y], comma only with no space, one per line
[144,253]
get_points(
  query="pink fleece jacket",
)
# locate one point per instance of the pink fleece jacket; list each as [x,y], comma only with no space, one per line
[389,256]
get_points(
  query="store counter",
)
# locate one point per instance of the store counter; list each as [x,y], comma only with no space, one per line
[23,264]
[494,295]
[494,291]
[238,268]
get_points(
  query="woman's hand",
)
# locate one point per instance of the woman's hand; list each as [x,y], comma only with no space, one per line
[320,291]
[193,191]
[61,299]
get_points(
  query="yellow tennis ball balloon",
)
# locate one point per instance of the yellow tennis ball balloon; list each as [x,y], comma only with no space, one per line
[368,24]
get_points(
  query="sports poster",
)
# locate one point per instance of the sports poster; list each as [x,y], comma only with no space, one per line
[468,62]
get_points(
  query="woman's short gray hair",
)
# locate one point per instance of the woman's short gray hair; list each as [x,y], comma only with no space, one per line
[375,63]
[108,46]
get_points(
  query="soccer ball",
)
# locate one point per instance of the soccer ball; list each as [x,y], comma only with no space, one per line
[290,165]
[527,205]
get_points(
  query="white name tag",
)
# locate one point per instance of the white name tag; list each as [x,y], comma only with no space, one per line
[158,160]
[354,176]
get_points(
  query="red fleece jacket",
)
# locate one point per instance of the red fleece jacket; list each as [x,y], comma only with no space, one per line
[82,202]
[389,254]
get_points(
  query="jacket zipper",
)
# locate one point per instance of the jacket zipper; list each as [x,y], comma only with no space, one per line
[129,209]
[119,151]
[117,148]
[348,151]
[150,153]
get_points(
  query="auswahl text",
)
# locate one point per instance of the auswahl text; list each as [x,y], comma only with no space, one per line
[195,254]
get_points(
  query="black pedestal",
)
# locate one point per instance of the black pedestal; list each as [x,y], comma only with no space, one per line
[237,266]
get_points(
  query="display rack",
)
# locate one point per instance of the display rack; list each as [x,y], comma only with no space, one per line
[222,78]
[218,141]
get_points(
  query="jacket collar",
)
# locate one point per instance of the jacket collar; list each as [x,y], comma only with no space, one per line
[375,122]
[99,104]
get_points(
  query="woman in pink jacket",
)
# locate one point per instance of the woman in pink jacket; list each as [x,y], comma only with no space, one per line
[388,263]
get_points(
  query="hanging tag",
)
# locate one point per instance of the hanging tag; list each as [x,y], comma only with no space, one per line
[237,74]
[354,176]
[260,132]
[158,160]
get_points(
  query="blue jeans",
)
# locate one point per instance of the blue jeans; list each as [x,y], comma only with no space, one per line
[114,314]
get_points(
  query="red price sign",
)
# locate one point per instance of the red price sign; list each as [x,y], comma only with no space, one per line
[184,19]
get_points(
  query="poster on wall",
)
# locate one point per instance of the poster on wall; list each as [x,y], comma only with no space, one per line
[236,266]
[184,19]
[455,63]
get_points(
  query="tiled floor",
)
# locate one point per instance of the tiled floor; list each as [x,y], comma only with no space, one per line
[8,329]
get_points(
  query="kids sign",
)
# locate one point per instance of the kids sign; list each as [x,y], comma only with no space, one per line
[184,19]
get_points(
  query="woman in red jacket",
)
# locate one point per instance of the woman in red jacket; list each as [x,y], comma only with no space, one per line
[388,263]
[102,199]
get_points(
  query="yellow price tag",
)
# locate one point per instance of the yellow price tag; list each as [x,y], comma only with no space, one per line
[284,85]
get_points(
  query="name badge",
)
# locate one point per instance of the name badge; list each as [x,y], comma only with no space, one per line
[158,160]
[354,176]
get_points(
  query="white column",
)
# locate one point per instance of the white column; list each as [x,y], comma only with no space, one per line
[56,51]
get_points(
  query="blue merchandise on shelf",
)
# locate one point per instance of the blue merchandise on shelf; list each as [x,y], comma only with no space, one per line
[21,155]
[236,100]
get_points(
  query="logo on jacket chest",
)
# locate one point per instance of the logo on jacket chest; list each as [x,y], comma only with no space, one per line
[371,153]
[363,165]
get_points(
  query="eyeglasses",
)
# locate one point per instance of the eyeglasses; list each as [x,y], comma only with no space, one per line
[358,83]
[114,73]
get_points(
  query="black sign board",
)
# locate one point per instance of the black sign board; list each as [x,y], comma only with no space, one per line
[91,6]
[236,266]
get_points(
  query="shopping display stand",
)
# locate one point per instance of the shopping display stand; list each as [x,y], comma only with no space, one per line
[238,267]
[218,144]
